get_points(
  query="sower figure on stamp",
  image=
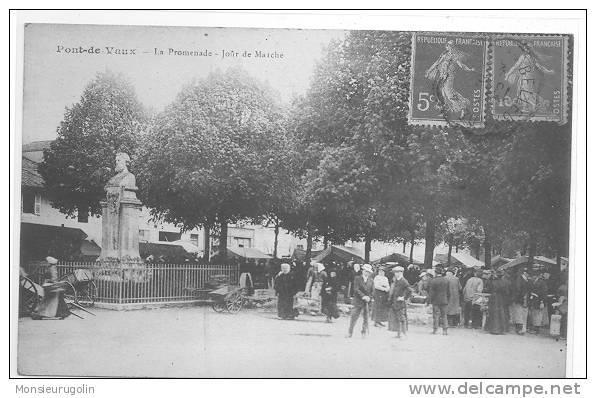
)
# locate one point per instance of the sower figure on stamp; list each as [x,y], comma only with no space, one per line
[398,295]
[527,76]
[438,296]
[442,73]
[363,291]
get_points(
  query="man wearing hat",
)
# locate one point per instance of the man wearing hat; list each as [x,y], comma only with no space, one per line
[472,312]
[453,308]
[363,291]
[438,296]
[398,295]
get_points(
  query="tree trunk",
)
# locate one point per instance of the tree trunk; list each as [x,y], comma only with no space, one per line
[412,241]
[429,243]
[223,241]
[487,250]
[308,249]
[476,248]
[532,249]
[403,249]
[367,244]
[559,260]
[325,242]
[457,247]
[206,242]
[449,252]
[275,241]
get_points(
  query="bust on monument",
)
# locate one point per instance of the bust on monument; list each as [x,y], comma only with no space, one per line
[121,211]
[124,180]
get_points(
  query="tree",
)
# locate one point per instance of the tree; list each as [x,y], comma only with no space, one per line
[351,128]
[107,119]
[534,185]
[216,155]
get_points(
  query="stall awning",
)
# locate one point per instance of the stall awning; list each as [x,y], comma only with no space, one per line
[467,260]
[339,253]
[40,240]
[247,252]
[397,257]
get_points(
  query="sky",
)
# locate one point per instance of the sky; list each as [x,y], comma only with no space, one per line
[56,71]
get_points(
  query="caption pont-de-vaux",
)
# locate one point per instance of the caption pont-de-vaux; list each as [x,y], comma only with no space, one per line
[111,50]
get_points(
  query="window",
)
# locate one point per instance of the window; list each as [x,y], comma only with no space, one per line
[169,236]
[143,235]
[31,202]
[82,215]
[194,238]
[301,247]
[242,242]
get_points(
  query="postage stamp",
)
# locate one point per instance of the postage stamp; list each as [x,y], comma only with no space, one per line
[448,79]
[529,78]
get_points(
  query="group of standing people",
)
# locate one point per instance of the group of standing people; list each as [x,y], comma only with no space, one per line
[388,299]
[507,299]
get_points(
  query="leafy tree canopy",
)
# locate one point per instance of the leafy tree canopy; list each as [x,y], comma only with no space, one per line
[107,119]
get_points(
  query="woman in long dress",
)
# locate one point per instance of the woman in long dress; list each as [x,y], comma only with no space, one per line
[381,284]
[539,303]
[442,73]
[497,320]
[285,288]
[398,295]
[329,291]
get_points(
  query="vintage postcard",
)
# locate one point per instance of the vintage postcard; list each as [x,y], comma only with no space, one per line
[245,202]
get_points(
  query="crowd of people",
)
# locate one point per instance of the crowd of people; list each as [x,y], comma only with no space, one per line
[524,299]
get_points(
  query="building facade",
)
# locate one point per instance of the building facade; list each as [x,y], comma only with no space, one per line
[36,208]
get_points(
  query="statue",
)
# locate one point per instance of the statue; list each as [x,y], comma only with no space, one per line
[120,232]
[124,177]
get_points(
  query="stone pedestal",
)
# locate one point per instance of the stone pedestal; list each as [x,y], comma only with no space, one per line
[120,224]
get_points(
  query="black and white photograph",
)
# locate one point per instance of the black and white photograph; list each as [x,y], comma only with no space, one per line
[255,202]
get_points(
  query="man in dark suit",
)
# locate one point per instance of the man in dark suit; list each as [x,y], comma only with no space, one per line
[363,291]
[438,296]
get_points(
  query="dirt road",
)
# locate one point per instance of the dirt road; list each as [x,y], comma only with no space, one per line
[196,342]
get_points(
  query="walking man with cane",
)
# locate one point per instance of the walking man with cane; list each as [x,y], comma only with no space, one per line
[363,291]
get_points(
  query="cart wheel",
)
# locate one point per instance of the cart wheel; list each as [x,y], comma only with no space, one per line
[28,295]
[86,295]
[219,306]
[70,293]
[234,303]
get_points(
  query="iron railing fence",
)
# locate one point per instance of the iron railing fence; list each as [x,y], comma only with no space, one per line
[137,282]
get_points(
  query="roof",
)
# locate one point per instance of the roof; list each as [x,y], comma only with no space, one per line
[171,253]
[248,252]
[397,257]
[525,259]
[497,261]
[37,146]
[29,175]
[339,253]
[467,260]
[459,258]
[39,240]
[300,254]
[545,260]
[90,248]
